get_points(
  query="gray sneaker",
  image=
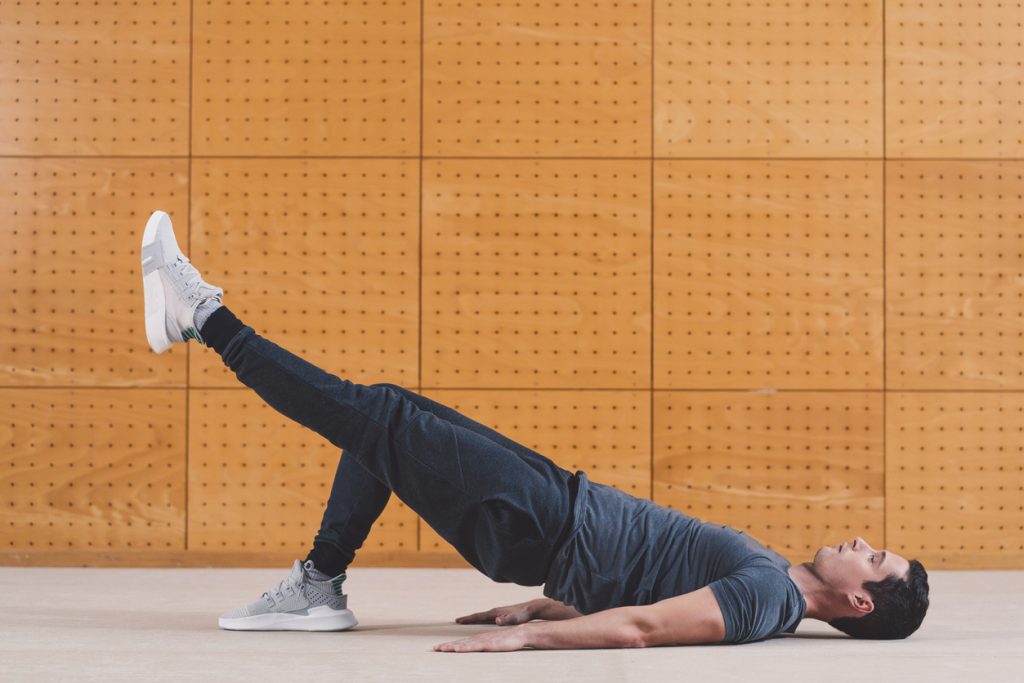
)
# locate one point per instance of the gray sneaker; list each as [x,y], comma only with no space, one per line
[299,603]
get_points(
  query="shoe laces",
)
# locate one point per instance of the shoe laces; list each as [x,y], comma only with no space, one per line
[288,587]
[192,284]
[186,273]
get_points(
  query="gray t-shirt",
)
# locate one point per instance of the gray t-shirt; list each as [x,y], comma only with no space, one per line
[624,550]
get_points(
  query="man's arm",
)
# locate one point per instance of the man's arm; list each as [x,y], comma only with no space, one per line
[692,618]
[688,619]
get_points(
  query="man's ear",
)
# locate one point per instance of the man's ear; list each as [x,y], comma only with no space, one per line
[862,603]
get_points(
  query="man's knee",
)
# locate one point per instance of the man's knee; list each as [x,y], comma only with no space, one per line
[396,400]
[402,391]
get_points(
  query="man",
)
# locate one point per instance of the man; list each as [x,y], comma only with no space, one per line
[618,571]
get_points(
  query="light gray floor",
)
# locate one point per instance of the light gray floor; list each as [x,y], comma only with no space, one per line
[119,624]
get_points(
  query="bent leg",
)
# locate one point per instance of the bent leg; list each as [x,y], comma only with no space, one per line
[356,501]
[503,515]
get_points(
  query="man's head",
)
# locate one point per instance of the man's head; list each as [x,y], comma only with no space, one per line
[875,593]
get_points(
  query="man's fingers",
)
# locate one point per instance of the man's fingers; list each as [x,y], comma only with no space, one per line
[512,614]
[476,617]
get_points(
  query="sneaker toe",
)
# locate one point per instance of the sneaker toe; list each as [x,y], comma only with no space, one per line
[250,610]
[240,613]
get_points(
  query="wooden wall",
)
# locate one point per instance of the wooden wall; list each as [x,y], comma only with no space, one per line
[762,263]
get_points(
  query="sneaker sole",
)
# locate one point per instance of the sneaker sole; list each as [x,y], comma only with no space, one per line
[153,286]
[321,618]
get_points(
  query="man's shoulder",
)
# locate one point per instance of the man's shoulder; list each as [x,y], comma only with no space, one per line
[757,601]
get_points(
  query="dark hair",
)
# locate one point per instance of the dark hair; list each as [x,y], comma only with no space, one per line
[900,607]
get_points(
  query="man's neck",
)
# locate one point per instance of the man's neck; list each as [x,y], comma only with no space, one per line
[813,589]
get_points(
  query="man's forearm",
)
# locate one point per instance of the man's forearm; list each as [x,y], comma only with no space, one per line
[607,629]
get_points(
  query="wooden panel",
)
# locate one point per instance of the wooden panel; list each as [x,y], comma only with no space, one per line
[794,470]
[956,478]
[519,287]
[72,230]
[259,482]
[536,274]
[765,79]
[92,469]
[538,79]
[99,77]
[213,558]
[768,273]
[955,296]
[288,78]
[320,256]
[954,79]
[604,433]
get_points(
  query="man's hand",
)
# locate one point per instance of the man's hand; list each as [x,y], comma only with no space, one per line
[498,640]
[503,616]
[541,608]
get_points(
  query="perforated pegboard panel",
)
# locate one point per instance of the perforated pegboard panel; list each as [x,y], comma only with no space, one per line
[99,77]
[281,77]
[768,78]
[537,79]
[604,433]
[92,469]
[768,274]
[954,78]
[259,482]
[955,275]
[536,274]
[505,273]
[72,284]
[795,470]
[955,478]
[322,256]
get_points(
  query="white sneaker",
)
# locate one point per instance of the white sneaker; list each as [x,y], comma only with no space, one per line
[299,603]
[173,287]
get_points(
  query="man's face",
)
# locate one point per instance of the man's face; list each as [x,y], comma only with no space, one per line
[848,565]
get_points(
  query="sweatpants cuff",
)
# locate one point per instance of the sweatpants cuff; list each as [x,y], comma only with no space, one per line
[219,329]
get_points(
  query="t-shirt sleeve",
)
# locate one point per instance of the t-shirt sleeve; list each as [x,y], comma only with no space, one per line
[755,603]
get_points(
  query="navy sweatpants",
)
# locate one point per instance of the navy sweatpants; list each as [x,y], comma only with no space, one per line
[504,507]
